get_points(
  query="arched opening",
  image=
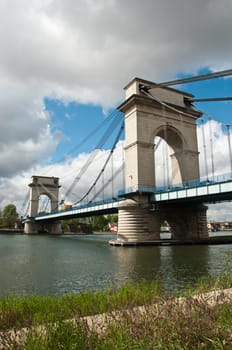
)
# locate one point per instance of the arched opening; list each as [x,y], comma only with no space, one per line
[44,205]
[168,150]
[163,170]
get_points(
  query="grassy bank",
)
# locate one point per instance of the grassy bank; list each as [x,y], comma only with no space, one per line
[197,325]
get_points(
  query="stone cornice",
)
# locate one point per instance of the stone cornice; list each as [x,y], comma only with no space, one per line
[137,100]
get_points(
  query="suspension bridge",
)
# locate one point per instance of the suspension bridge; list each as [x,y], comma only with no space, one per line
[159,165]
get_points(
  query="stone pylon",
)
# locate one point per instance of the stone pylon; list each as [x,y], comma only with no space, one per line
[166,113]
[43,185]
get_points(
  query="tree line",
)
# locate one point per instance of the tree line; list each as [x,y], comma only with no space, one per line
[9,218]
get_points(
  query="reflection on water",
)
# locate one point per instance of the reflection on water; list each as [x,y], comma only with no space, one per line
[173,266]
[54,265]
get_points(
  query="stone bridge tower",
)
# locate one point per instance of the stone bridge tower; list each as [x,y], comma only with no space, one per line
[43,185]
[166,113]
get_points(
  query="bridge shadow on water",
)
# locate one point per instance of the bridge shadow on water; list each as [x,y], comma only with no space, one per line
[173,267]
[46,264]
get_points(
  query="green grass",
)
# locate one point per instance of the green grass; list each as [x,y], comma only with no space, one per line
[31,310]
[169,326]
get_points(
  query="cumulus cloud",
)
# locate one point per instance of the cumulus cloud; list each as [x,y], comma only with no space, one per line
[214,162]
[86,51]
[15,189]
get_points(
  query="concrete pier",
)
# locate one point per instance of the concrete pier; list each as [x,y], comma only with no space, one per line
[32,227]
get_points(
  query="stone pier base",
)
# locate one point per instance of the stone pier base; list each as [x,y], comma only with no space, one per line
[136,222]
[187,221]
[139,224]
[32,227]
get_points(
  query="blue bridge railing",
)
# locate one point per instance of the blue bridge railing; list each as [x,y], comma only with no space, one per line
[147,189]
[186,184]
[82,206]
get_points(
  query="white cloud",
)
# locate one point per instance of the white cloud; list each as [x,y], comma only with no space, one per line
[214,167]
[86,51]
[15,189]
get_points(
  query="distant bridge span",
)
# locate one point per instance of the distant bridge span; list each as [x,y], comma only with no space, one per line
[201,193]
[94,209]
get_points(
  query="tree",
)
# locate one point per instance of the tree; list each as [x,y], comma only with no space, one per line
[9,216]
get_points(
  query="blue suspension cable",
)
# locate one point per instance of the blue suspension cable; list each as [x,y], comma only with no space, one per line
[229,146]
[100,144]
[104,166]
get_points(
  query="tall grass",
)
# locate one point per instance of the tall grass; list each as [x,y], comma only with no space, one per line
[171,328]
[163,324]
[31,310]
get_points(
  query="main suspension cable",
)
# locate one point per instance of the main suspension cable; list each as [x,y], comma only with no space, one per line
[100,144]
[214,75]
[110,180]
[105,164]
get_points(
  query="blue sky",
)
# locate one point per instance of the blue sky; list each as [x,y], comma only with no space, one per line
[219,87]
[75,121]
[63,66]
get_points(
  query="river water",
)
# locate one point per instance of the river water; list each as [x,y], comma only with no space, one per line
[57,264]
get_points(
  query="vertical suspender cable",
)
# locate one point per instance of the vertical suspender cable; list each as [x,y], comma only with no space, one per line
[27,209]
[94,190]
[103,185]
[163,165]
[167,155]
[204,149]
[105,164]
[39,198]
[211,146]
[123,172]
[25,203]
[166,143]
[182,144]
[46,204]
[229,146]
[156,146]
[112,175]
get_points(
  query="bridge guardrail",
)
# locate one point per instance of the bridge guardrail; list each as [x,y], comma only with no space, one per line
[186,184]
[82,206]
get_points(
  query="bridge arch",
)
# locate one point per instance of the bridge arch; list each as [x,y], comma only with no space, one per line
[43,186]
[44,205]
[171,135]
[176,143]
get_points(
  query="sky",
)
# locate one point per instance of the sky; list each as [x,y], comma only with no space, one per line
[64,64]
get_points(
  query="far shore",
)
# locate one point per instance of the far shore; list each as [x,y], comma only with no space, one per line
[11,230]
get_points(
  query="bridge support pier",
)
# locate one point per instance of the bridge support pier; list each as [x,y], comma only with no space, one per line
[137,223]
[187,221]
[32,227]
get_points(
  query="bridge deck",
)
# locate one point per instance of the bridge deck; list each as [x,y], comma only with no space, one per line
[202,192]
[207,193]
[107,207]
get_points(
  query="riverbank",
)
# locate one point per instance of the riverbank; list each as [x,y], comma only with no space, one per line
[175,242]
[163,322]
[11,231]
